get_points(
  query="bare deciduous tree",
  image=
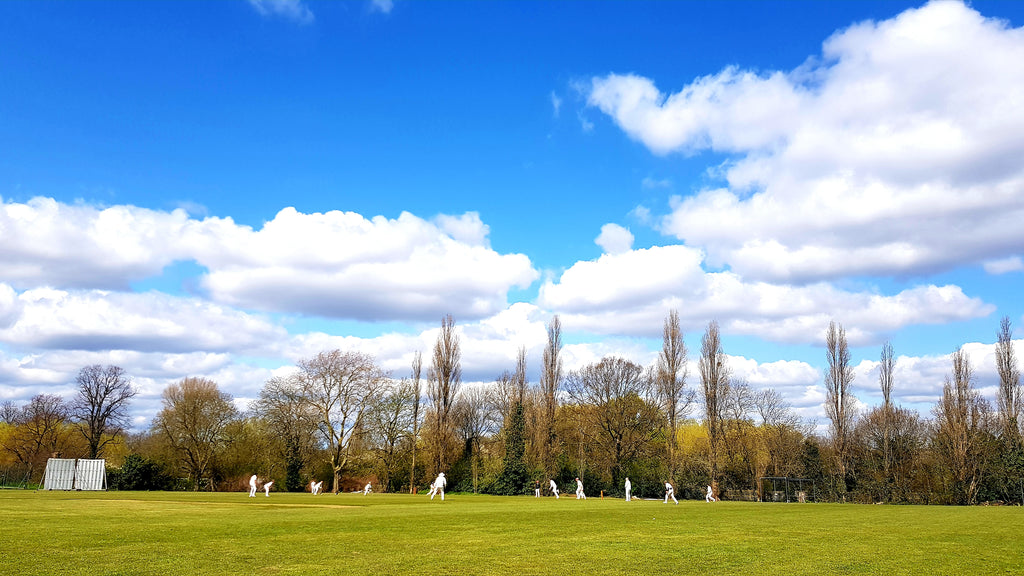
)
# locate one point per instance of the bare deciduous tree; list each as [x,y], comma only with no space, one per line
[473,421]
[550,381]
[520,376]
[292,420]
[773,410]
[886,379]
[445,379]
[1009,399]
[100,407]
[714,379]
[9,412]
[390,425]
[782,430]
[342,388]
[417,367]
[193,420]
[961,419]
[742,443]
[671,382]
[509,389]
[503,395]
[839,399]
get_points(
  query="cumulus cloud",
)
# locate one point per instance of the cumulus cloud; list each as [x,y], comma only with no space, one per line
[53,372]
[97,320]
[631,292]
[294,10]
[489,346]
[336,264]
[44,242]
[10,306]
[340,264]
[894,152]
[712,112]
[614,239]
[918,380]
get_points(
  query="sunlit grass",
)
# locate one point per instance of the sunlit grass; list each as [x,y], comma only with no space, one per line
[229,533]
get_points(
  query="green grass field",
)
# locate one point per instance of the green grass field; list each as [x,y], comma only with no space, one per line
[165,533]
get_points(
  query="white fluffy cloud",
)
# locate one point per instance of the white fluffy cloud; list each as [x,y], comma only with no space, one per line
[53,372]
[44,242]
[895,152]
[630,293]
[340,264]
[489,346]
[614,239]
[918,380]
[10,306]
[151,322]
[336,264]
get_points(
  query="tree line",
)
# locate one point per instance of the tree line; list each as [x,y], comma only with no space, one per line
[340,418]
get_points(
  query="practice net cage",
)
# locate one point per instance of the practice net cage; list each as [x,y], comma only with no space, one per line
[72,474]
[786,489]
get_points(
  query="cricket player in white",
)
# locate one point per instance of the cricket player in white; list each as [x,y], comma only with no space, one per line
[554,488]
[266,488]
[314,487]
[367,489]
[579,489]
[252,486]
[710,496]
[629,488]
[670,491]
[438,486]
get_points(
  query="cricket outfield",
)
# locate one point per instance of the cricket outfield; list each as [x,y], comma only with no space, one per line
[168,533]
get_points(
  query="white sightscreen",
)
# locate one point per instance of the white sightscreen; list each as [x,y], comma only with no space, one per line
[90,475]
[60,474]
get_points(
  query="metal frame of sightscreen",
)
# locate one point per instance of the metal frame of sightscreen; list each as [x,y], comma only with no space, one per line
[792,488]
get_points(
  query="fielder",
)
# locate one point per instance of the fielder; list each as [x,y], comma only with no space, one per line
[314,487]
[266,488]
[579,489]
[629,488]
[438,486]
[670,491]
[536,488]
[709,496]
[554,488]
[367,489]
[252,486]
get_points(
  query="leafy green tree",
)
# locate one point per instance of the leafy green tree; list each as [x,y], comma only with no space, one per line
[139,473]
[515,476]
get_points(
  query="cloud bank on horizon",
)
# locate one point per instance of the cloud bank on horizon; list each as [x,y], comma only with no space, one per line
[851,187]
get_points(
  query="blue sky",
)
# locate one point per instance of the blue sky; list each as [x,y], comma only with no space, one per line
[223,188]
